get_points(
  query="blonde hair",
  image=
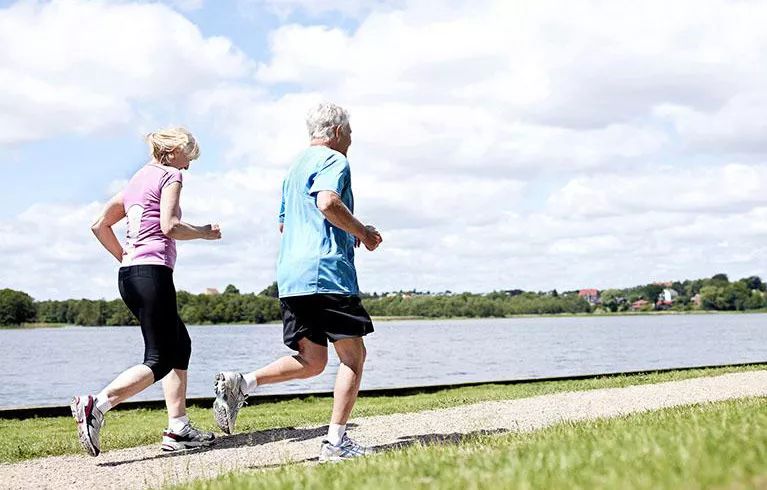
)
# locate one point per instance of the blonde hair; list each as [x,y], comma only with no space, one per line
[164,142]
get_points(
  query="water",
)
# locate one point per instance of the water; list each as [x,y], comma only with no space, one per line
[48,366]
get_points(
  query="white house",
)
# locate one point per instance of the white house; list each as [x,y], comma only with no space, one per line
[669,295]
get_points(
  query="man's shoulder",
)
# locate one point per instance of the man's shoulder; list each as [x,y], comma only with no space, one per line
[315,160]
[322,155]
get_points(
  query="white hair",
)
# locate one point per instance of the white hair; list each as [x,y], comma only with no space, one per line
[323,119]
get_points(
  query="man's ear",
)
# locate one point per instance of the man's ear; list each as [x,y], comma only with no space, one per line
[338,132]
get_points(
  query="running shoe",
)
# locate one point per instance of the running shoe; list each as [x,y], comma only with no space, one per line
[229,399]
[346,449]
[89,422]
[187,438]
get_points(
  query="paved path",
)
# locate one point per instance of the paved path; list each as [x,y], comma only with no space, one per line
[147,467]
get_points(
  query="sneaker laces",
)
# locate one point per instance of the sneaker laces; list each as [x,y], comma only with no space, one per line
[348,442]
[194,431]
[244,400]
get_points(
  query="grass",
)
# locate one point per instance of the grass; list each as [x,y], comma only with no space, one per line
[37,437]
[722,445]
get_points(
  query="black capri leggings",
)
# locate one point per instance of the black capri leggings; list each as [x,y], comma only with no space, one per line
[149,293]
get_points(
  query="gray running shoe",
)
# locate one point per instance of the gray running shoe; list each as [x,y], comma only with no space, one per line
[187,438]
[347,449]
[229,399]
[89,422]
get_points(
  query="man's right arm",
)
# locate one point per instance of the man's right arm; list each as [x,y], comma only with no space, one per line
[335,211]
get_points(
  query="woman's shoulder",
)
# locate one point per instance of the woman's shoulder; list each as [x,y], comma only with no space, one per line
[153,176]
[162,173]
[160,169]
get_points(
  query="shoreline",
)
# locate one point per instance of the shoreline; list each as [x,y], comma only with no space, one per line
[34,326]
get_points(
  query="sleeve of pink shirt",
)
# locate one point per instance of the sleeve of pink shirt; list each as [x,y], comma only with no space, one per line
[173,175]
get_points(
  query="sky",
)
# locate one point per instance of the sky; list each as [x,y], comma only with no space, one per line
[498,144]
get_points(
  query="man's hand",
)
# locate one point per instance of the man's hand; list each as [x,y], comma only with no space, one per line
[372,238]
[211,232]
[335,211]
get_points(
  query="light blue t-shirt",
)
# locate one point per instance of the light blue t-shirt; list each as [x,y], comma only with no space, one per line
[315,256]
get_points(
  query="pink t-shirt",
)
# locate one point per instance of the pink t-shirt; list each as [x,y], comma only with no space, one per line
[146,244]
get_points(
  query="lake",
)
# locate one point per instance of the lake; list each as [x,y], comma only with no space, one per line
[47,366]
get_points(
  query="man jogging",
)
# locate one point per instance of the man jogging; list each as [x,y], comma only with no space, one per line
[317,281]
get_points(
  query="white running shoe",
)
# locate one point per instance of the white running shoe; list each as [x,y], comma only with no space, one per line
[347,449]
[187,438]
[229,399]
[89,422]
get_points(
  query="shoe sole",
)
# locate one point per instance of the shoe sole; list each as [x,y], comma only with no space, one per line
[220,409]
[82,433]
[184,446]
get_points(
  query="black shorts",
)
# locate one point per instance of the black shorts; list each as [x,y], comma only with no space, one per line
[323,317]
[149,293]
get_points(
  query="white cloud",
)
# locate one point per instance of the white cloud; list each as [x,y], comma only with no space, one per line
[187,5]
[348,8]
[63,74]
[691,190]
[738,126]
[496,144]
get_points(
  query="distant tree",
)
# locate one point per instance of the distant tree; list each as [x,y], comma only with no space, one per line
[183,298]
[724,297]
[754,282]
[90,313]
[612,299]
[720,278]
[16,307]
[755,301]
[117,314]
[231,289]
[270,291]
[738,296]
[651,292]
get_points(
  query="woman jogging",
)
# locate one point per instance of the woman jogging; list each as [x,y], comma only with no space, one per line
[150,201]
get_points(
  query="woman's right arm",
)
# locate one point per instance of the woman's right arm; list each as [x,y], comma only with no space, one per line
[113,212]
[170,218]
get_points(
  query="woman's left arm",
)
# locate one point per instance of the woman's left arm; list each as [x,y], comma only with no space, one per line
[113,212]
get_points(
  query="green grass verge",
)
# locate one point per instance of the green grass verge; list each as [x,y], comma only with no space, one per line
[716,445]
[32,438]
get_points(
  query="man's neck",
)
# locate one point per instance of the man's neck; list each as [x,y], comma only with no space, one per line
[326,143]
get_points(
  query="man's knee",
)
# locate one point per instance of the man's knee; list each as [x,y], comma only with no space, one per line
[313,357]
[352,353]
[315,367]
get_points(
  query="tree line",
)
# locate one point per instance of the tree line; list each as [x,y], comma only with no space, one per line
[232,306]
[714,293]
[195,309]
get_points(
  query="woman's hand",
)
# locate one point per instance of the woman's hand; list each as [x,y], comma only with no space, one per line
[211,232]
